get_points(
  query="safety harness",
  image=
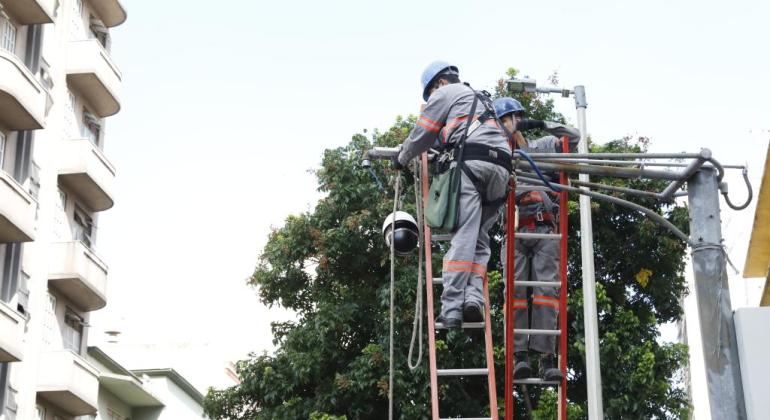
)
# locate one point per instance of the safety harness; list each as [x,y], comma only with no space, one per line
[474,151]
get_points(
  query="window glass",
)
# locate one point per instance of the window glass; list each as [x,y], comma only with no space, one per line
[8,39]
[2,149]
[73,331]
[84,227]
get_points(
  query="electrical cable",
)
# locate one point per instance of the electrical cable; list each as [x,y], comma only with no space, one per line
[418,303]
[748,187]
[397,188]
[536,169]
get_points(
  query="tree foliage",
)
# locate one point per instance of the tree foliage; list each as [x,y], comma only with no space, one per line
[331,267]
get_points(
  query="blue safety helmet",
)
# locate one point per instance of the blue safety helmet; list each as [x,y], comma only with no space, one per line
[433,70]
[505,106]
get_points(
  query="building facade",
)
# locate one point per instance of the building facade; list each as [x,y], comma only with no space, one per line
[58,88]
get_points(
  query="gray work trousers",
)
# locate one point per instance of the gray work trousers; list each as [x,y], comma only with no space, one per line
[535,260]
[465,264]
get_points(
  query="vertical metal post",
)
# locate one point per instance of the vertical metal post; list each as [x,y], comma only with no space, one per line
[712,293]
[593,366]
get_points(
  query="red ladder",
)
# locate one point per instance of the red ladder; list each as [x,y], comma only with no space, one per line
[435,373]
[511,235]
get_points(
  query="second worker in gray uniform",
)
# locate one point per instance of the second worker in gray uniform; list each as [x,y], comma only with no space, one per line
[443,119]
[536,259]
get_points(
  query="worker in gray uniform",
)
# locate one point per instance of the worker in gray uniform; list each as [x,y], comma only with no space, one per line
[483,186]
[536,259]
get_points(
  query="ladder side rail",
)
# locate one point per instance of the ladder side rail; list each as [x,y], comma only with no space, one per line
[490,353]
[563,229]
[429,292]
[510,234]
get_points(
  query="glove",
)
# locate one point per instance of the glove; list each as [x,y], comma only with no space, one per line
[396,164]
[528,124]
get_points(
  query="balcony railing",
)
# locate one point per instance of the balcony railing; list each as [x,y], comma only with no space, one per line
[17,211]
[69,382]
[78,274]
[22,97]
[91,72]
[87,173]
[11,334]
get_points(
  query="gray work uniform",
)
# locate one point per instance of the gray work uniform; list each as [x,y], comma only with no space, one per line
[465,264]
[538,259]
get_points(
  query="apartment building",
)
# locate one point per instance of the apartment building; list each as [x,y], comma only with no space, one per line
[147,394]
[58,88]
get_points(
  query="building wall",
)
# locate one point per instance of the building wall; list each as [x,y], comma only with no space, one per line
[179,404]
[46,329]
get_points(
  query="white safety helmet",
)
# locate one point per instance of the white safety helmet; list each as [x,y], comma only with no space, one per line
[406,234]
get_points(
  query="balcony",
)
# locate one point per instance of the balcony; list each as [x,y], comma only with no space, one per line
[22,98]
[69,382]
[17,211]
[78,274]
[110,12]
[91,72]
[29,12]
[11,334]
[87,173]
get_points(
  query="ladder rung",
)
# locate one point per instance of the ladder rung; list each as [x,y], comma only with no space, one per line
[526,331]
[440,325]
[535,381]
[525,283]
[441,237]
[462,372]
[525,235]
[467,418]
[528,188]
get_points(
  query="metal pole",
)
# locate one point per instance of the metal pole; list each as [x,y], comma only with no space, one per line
[720,352]
[593,366]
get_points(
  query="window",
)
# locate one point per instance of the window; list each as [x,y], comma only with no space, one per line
[84,227]
[73,331]
[2,149]
[8,40]
[92,127]
[77,30]
[114,415]
[49,321]
[100,32]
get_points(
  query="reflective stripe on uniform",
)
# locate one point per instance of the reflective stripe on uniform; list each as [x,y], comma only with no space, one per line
[519,303]
[428,124]
[466,267]
[545,301]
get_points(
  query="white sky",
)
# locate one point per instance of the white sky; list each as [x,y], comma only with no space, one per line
[227,105]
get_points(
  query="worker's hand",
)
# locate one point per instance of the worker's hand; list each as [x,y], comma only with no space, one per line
[396,164]
[529,124]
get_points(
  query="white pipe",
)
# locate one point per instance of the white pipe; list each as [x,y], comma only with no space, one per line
[593,365]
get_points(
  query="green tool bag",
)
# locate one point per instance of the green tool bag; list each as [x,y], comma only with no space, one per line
[443,211]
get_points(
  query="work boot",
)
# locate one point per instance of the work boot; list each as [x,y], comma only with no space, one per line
[473,313]
[450,323]
[521,369]
[548,370]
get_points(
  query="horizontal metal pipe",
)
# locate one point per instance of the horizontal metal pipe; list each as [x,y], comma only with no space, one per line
[606,170]
[615,188]
[691,168]
[635,163]
[615,155]
[649,213]
[381,152]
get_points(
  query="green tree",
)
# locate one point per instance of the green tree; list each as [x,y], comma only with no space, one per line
[332,267]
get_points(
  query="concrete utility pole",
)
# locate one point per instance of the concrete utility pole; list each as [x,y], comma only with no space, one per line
[593,366]
[712,293]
